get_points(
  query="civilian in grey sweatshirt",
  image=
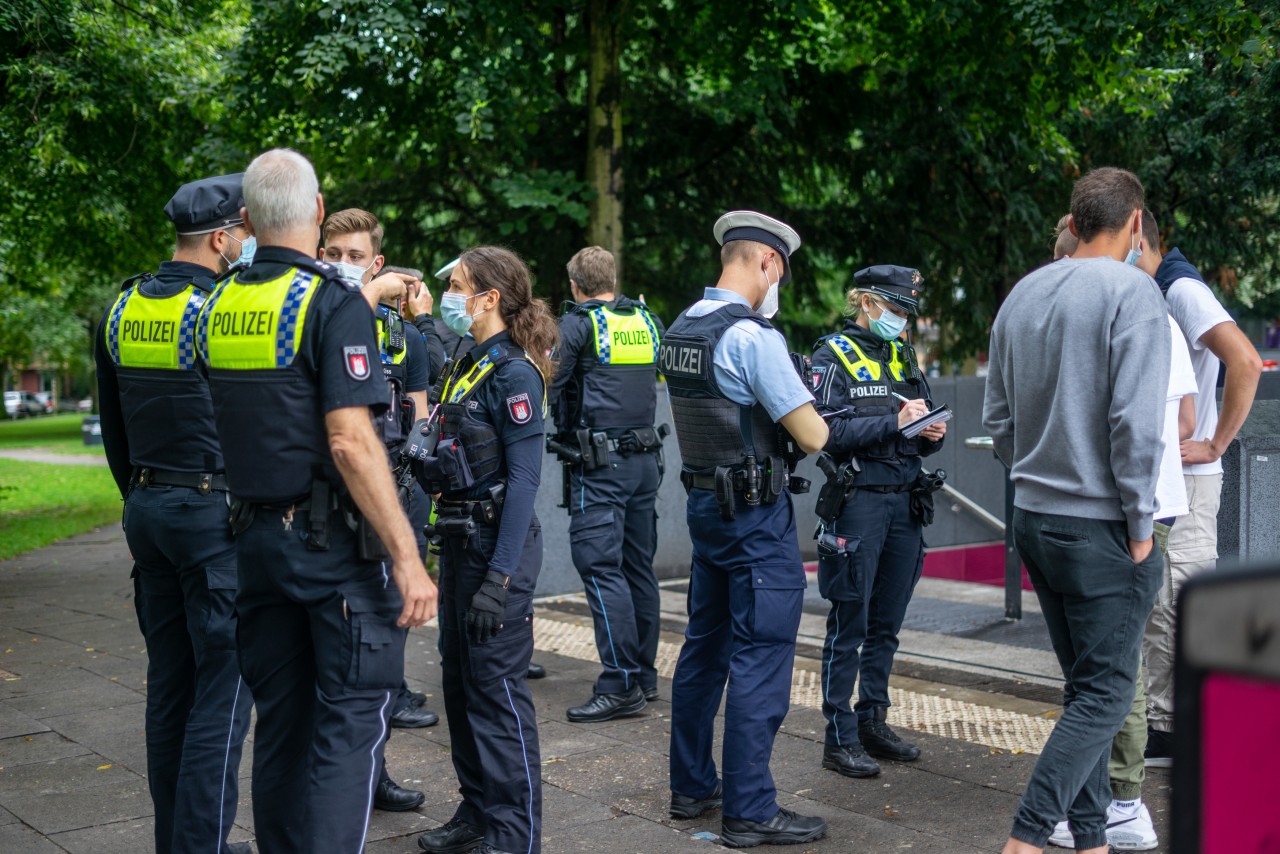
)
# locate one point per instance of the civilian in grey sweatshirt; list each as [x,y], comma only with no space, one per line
[1079,369]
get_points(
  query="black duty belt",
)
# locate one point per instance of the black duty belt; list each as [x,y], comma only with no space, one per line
[484,511]
[708,480]
[901,487]
[203,482]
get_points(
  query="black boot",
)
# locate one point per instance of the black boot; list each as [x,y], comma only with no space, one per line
[785,828]
[606,707]
[390,797]
[850,760]
[683,806]
[882,742]
[453,837]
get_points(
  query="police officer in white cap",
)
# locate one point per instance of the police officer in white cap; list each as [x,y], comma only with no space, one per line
[732,383]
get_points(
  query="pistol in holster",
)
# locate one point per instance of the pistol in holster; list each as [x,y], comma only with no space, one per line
[837,490]
[240,515]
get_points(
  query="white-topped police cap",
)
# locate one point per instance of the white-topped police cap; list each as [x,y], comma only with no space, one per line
[207,205]
[901,286]
[756,227]
[443,273]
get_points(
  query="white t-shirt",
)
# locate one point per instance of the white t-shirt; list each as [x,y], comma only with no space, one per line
[1171,492]
[1197,310]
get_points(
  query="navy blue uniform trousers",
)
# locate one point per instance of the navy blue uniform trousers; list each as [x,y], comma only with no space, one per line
[869,586]
[746,592]
[493,730]
[612,537]
[320,648]
[184,578]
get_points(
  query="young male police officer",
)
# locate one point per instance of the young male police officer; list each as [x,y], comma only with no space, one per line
[353,244]
[732,383]
[603,398]
[161,443]
[869,387]
[290,350]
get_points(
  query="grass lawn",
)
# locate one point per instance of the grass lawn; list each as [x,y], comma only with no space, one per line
[40,503]
[57,434]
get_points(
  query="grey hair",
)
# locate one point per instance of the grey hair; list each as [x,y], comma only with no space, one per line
[280,188]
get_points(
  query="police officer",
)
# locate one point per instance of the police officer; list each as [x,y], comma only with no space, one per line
[603,398]
[161,443]
[732,383]
[353,244]
[486,465]
[329,572]
[869,386]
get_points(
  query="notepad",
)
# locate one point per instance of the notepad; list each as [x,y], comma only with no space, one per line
[935,416]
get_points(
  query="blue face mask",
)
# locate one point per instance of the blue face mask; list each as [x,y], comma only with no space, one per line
[1135,252]
[888,325]
[248,247]
[453,311]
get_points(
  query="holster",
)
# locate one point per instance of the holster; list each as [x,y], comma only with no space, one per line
[724,493]
[594,448]
[922,490]
[240,515]
[317,539]
[446,471]
[776,476]
[837,490]
[751,482]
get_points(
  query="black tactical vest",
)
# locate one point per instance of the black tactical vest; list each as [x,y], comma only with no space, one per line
[712,430]
[394,425]
[877,370]
[616,394]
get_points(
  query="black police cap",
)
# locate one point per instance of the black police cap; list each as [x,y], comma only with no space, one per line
[901,286]
[207,205]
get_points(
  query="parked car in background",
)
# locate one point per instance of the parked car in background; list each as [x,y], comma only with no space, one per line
[20,404]
[46,401]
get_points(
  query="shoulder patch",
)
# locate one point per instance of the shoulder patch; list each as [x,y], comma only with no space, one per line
[519,408]
[357,362]
[819,374]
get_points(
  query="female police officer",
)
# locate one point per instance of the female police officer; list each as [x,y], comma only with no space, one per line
[872,551]
[486,466]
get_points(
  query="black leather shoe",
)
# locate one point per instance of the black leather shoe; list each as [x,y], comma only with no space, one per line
[849,760]
[417,699]
[651,694]
[785,828]
[883,743]
[411,718]
[606,707]
[453,837]
[239,848]
[683,806]
[536,671]
[390,797]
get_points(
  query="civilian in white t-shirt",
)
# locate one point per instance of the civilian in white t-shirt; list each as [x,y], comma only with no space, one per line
[1212,339]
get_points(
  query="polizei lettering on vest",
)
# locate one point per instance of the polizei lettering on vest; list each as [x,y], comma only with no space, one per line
[148,331]
[869,390]
[632,337]
[236,323]
[682,360]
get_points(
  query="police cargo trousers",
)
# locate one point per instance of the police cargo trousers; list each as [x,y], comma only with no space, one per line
[612,537]
[869,585]
[184,581]
[320,647]
[493,729]
[746,591]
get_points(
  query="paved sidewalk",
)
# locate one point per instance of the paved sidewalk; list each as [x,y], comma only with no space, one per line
[72,760]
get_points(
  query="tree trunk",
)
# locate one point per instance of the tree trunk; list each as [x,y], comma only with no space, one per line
[604,127]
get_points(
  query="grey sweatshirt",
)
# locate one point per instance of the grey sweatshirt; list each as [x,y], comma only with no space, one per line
[1079,370]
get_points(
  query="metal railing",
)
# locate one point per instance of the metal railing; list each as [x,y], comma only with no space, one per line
[1012,564]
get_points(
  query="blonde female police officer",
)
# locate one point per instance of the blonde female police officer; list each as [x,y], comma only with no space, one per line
[486,465]
[732,382]
[872,552]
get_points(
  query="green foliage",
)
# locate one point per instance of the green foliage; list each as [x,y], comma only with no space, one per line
[58,434]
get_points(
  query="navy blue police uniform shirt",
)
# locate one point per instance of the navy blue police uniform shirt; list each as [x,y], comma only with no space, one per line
[338,318]
[577,351]
[171,278]
[417,359]
[510,401]
[851,436]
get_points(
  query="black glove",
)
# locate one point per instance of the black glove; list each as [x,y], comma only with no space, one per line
[484,617]
[922,506]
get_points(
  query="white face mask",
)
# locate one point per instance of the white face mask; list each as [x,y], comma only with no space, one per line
[352,273]
[769,306]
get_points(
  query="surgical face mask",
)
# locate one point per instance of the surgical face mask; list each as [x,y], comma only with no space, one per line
[453,311]
[352,273]
[1135,250]
[888,325]
[248,247]
[769,307]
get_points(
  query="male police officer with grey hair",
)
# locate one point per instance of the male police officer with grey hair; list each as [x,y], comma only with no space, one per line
[732,383]
[161,442]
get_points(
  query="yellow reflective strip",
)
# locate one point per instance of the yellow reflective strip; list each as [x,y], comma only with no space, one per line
[625,339]
[872,366]
[244,321]
[149,330]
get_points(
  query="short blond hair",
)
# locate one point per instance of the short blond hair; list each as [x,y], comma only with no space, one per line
[594,270]
[354,220]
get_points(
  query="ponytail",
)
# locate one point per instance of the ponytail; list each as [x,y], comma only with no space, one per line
[529,321]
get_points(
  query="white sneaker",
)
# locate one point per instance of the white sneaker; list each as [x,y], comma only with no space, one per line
[1137,833]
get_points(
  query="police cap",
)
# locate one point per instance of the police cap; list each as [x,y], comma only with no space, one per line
[756,227]
[443,273]
[207,205]
[901,286]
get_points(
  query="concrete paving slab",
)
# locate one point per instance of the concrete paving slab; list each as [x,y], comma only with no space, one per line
[20,838]
[54,813]
[102,694]
[14,723]
[41,747]
[66,775]
[120,837]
